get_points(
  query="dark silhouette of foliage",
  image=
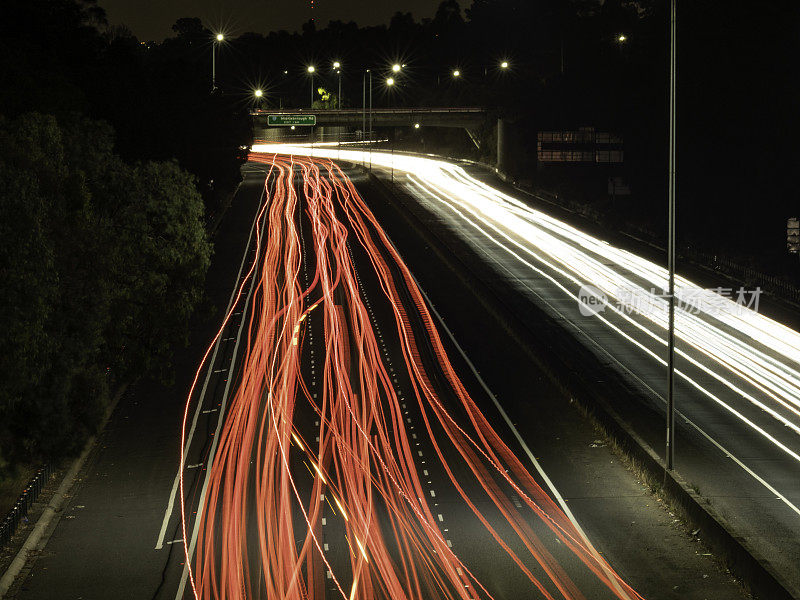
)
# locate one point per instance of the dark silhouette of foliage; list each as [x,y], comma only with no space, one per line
[102,264]
[75,194]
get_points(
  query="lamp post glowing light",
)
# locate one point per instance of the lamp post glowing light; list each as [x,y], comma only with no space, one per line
[311,69]
[456,73]
[338,67]
[622,38]
[416,125]
[217,40]
[259,93]
[390,82]
[504,64]
[396,68]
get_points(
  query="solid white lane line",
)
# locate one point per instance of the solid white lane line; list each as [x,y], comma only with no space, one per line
[213,451]
[689,380]
[173,493]
[556,494]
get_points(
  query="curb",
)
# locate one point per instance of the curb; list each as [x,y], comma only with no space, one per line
[754,570]
[53,510]
[216,218]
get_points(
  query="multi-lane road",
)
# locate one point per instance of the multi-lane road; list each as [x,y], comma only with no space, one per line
[333,439]
[738,377]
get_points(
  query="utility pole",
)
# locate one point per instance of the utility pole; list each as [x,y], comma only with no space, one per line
[670,453]
[213,66]
[364,112]
[370,121]
[214,43]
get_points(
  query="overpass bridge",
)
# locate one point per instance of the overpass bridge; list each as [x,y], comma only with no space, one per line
[467,118]
[471,119]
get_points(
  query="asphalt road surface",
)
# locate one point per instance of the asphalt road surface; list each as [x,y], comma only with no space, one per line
[737,382]
[339,441]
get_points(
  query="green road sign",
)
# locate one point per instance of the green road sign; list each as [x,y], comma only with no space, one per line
[289,120]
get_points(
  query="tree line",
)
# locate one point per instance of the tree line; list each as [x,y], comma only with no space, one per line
[111,159]
[576,63]
[115,151]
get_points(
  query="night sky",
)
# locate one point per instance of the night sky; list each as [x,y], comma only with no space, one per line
[153,19]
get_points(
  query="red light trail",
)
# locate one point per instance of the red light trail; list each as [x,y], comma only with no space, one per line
[259,527]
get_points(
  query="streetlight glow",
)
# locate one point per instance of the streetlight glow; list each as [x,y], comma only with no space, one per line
[416,125]
[396,68]
[390,82]
[622,38]
[258,93]
[311,69]
[337,64]
[456,73]
[504,64]
[219,37]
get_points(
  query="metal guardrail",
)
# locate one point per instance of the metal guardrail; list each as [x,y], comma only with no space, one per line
[20,510]
[769,283]
[776,285]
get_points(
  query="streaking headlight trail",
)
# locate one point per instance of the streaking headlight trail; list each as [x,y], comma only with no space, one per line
[743,362]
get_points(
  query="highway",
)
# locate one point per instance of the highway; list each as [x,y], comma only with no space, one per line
[738,385]
[329,437]
[343,441]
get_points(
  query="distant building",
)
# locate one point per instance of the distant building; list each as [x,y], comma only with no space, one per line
[584,145]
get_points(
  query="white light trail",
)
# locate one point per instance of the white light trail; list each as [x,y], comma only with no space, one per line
[754,358]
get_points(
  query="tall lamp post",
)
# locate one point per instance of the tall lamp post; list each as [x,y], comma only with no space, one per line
[670,450]
[338,68]
[367,82]
[364,105]
[311,69]
[370,120]
[389,85]
[217,40]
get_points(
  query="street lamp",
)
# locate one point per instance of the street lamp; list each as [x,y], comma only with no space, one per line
[258,93]
[671,226]
[311,69]
[338,67]
[622,38]
[456,73]
[396,68]
[217,40]
[390,82]
[416,125]
[504,64]
[367,75]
